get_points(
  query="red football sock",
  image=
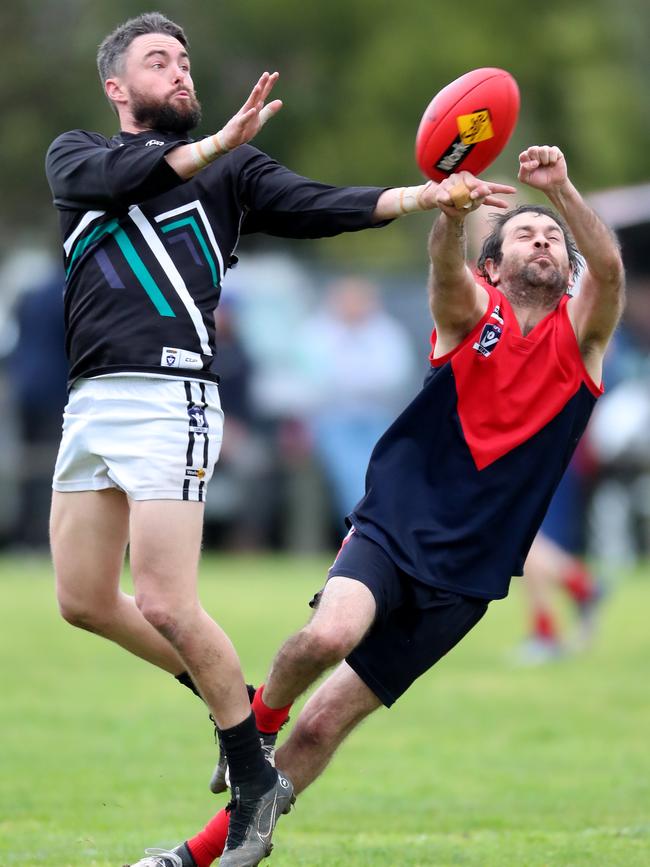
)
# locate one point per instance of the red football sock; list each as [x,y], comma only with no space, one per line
[269,720]
[543,626]
[578,582]
[209,843]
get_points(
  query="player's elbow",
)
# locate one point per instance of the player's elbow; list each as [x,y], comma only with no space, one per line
[609,271]
[614,273]
[614,281]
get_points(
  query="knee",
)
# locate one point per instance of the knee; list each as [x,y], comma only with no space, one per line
[176,618]
[315,728]
[83,613]
[328,644]
[159,612]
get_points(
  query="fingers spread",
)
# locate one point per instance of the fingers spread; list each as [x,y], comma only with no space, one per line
[501,188]
[464,192]
[261,90]
[495,202]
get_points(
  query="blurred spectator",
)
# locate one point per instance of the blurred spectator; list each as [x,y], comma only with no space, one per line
[239,502]
[358,362]
[618,436]
[38,372]
[619,516]
[272,296]
[556,563]
[304,404]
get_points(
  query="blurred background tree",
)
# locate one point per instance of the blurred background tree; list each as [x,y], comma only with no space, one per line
[355,78]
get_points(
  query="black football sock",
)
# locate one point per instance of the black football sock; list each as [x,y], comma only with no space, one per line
[249,770]
[186,680]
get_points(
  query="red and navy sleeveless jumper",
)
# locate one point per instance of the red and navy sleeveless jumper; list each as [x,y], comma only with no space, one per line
[457,487]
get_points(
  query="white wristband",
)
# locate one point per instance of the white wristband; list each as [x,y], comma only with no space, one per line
[409,198]
[207,150]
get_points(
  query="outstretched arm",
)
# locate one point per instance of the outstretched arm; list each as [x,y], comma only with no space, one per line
[399,201]
[457,301]
[189,159]
[596,309]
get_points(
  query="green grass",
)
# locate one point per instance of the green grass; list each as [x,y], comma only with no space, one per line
[481,764]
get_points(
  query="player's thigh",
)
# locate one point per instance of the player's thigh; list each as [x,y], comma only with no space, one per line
[88,538]
[165,548]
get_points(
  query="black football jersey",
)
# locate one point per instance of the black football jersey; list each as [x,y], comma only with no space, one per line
[145,252]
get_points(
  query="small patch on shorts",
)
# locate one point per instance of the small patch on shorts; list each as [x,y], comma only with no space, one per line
[198,421]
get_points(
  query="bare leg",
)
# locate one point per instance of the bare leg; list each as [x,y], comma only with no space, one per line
[539,587]
[334,710]
[344,615]
[89,533]
[543,570]
[165,549]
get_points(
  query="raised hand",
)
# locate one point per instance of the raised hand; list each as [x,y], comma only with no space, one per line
[543,167]
[462,193]
[253,114]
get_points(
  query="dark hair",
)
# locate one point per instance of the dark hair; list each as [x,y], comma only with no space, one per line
[491,248]
[110,55]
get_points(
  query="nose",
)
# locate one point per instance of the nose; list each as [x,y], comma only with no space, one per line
[542,241]
[178,74]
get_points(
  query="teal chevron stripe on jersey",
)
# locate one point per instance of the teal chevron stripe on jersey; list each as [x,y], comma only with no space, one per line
[191,222]
[90,238]
[133,260]
[140,270]
[201,218]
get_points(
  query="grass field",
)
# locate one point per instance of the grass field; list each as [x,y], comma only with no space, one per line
[481,764]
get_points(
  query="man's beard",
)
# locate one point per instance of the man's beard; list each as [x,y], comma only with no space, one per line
[533,286]
[164,116]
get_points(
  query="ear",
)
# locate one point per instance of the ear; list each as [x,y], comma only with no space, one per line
[115,91]
[492,271]
[572,279]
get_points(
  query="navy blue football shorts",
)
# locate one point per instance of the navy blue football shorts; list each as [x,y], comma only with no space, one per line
[416,624]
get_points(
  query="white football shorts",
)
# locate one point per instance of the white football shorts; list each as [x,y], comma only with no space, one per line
[154,438]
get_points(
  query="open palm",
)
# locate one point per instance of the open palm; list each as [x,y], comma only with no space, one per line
[253,114]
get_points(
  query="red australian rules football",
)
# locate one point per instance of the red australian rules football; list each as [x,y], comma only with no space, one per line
[467,124]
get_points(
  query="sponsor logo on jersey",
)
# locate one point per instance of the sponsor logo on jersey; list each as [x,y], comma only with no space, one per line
[195,474]
[153,142]
[489,338]
[170,357]
[183,358]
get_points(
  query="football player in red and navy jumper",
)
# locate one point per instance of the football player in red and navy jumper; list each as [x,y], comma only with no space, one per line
[458,485]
